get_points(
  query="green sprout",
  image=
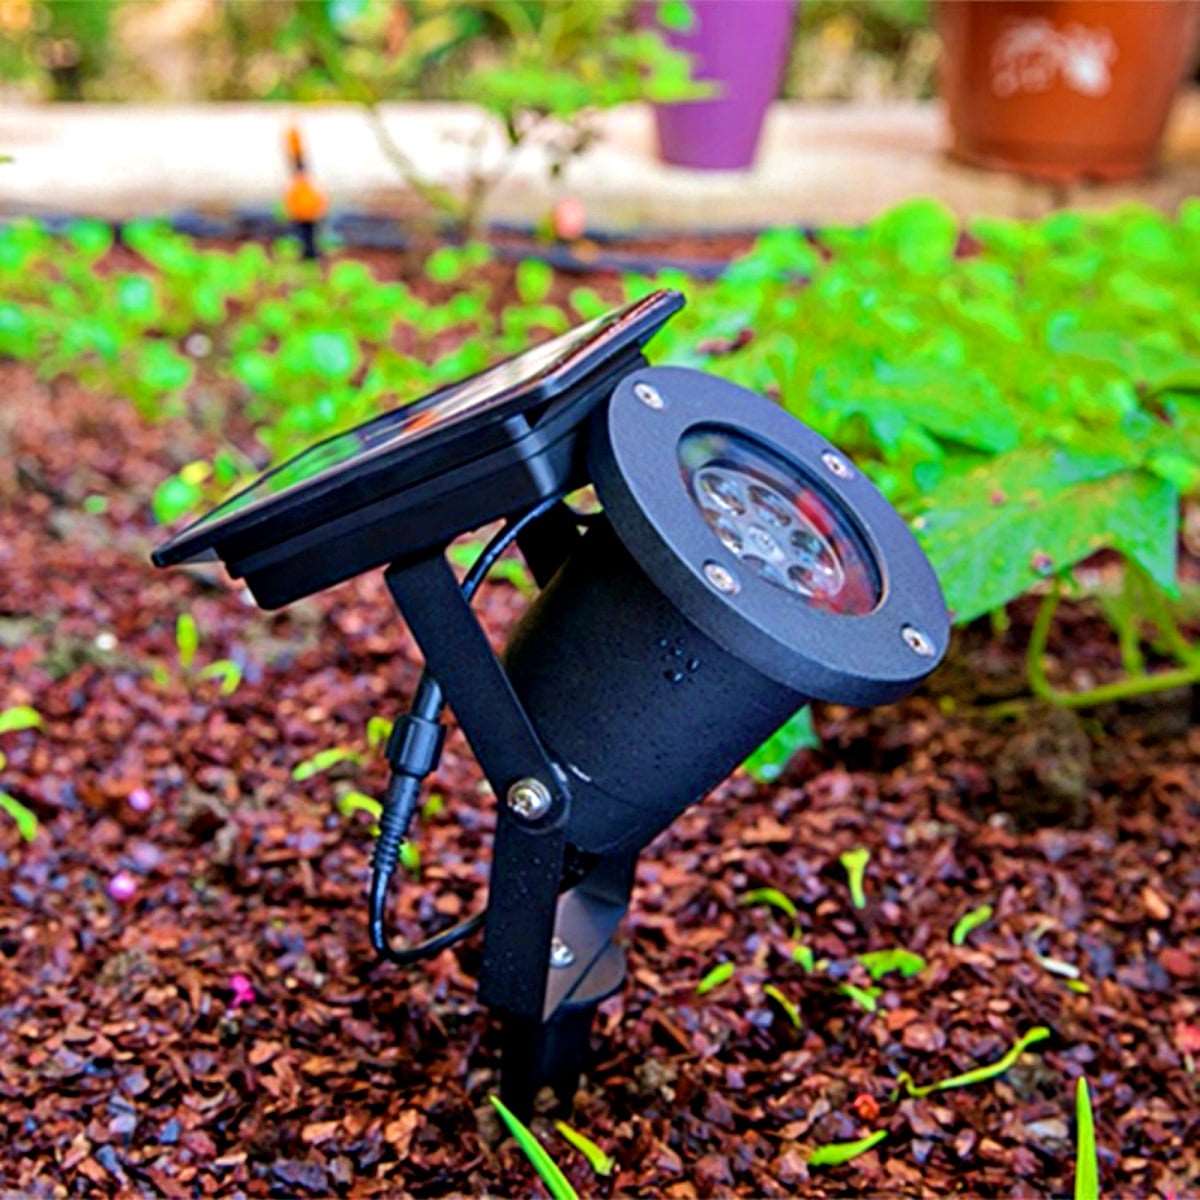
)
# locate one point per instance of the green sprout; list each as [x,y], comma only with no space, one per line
[855,864]
[836,1153]
[969,922]
[598,1160]
[721,973]
[1039,1033]
[1087,1166]
[551,1175]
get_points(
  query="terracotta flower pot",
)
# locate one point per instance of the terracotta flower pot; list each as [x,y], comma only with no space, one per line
[1063,89]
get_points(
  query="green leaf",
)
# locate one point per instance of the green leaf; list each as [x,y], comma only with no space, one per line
[969,922]
[227,671]
[187,639]
[379,729]
[353,802]
[804,956]
[333,354]
[785,1005]
[721,973]
[767,763]
[26,819]
[994,532]
[20,716]
[1039,1033]
[534,279]
[772,897]
[866,998]
[598,1160]
[323,761]
[1087,1163]
[880,962]
[854,862]
[174,497]
[835,1153]
[410,858]
[676,15]
[556,1182]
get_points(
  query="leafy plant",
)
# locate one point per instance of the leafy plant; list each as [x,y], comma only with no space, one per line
[882,962]
[556,1182]
[767,763]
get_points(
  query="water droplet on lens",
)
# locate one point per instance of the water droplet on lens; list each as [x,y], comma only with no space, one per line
[693,664]
[673,676]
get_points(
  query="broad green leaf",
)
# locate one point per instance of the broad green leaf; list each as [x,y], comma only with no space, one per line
[534,278]
[556,1182]
[836,1153]
[994,532]
[174,497]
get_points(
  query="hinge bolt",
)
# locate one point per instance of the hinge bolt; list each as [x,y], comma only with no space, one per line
[529,798]
[561,955]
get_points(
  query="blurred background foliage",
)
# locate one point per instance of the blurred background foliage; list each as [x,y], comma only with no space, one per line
[480,50]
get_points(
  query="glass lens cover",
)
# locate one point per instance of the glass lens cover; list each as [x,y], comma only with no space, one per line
[772,516]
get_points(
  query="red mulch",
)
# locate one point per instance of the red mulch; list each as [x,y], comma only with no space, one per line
[129,1064]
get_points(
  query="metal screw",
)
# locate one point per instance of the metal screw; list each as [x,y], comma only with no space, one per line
[837,464]
[648,395]
[722,578]
[529,798]
[561,955]
[917,641]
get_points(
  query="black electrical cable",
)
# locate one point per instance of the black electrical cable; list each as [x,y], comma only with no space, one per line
[422,729]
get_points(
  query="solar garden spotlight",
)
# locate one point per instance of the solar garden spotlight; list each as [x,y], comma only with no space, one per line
[740,566]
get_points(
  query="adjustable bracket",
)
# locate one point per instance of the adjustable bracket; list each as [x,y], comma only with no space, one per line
[548,954]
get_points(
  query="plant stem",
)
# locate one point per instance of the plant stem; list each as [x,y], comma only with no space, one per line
[1108,693]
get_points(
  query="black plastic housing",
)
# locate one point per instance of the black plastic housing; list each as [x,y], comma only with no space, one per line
[642,710]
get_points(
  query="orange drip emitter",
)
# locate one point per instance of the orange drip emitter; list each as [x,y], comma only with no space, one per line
[304,202]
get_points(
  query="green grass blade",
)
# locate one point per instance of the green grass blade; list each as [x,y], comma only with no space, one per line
[721,973]
[20,716]
[787,1006]
[556,1182]
[227,671]
[1087,1166]
[855,864]
[1039,1033]
[772,897]
[598,1160]
[865,998]
[27,822]
[969,922]
[836,1153]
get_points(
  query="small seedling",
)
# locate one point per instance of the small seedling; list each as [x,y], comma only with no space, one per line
[187,639]
[786,1006]
[721,973]
[880,962]
[1039,1033]
[556,1182]
[598,1160]
[866,998]
[772,897]
[26,819]
[805,957]
[855,864]
[768,762]
[351,802]
[836,1153]
[1087,1166]
[969,922]
[324,760]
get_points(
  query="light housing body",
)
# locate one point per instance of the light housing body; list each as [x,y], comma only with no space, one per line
[649,682]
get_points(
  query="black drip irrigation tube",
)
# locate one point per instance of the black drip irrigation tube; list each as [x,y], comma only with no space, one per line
[595,251]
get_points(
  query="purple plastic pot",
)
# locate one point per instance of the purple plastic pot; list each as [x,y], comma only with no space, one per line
[742,46]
